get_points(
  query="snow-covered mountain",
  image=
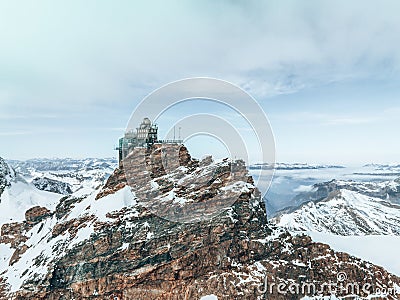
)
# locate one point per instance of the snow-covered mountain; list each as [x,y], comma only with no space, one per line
[346,208]
[109,244]
[17,195]
[66,176]
[292,178]
[26,167]
[379,170]
[384,167]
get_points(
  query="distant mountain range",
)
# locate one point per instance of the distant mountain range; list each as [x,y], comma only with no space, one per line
[65,175]
[345,208]
[390,167]
[292,166]
[290,179]
[25,167]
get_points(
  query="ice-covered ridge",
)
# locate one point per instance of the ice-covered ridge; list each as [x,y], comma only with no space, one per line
[344,212]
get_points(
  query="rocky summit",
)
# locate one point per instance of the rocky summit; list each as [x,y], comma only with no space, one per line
[123,242]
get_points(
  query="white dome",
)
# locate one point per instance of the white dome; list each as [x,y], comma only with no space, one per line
[146,121]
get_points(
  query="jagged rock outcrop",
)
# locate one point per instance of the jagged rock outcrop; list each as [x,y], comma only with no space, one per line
[36,214]
[51,185]
[117,246]
[13,234]
[16,234]
[114,183]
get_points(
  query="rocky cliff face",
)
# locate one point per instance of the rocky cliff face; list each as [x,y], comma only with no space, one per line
[6,174]
[114,245]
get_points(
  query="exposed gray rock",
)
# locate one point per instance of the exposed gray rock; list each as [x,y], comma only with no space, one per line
[51,185]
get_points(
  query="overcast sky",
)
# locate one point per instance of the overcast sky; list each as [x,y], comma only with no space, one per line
[325,72]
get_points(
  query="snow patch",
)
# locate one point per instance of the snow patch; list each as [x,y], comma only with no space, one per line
[209,297]
[21,196]
[101,207]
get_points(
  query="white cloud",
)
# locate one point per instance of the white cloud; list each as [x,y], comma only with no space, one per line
[350,120]
[93,52]
[304,189]
[326,119]
[13,133]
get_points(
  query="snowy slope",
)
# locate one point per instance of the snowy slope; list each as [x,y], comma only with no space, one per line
[346,208]
[344,212]
[19,197]
[46,248]
[359,218]
[385,190]
[48,242]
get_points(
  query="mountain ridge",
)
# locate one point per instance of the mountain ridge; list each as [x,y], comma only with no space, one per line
[108,246]
[346,208]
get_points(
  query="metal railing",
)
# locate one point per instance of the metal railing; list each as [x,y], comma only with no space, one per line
[169,141]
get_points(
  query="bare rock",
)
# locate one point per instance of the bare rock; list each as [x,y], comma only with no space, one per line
[36,214]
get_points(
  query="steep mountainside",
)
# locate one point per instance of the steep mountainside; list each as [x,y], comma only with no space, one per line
[17,195]
[114,246]
[6,175]
[347,208]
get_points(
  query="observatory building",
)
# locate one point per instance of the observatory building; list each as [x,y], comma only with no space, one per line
[144,136]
